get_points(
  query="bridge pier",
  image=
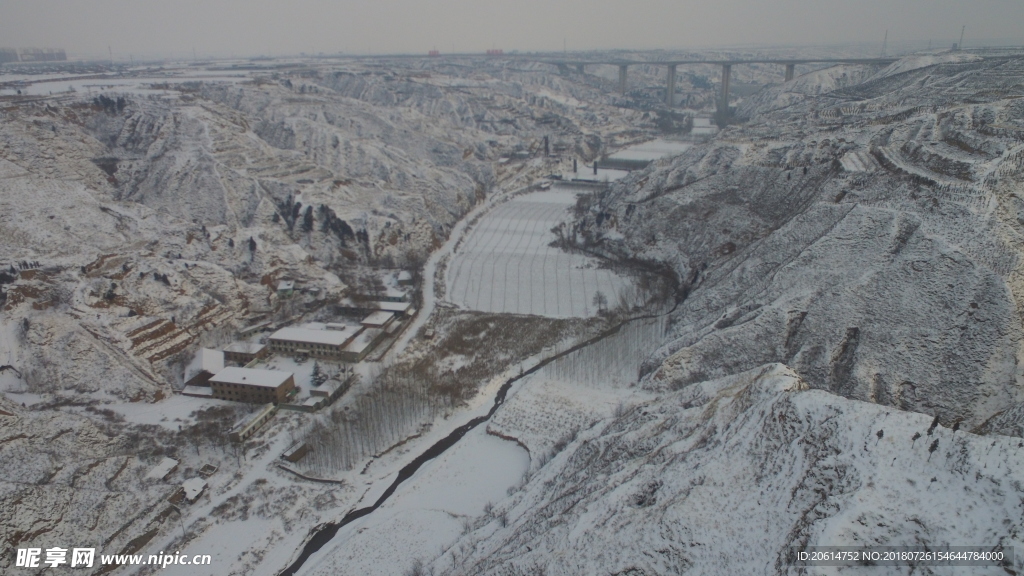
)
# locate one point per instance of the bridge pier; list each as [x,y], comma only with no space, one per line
[723,99]
[670,91]
[790,72]
[622,78]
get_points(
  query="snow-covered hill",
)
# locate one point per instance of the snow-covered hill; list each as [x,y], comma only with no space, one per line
[725,476]
[842,367]
[842,363]
[869,238]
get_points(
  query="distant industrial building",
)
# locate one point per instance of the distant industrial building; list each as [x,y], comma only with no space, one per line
[252,385]
[244,352]
[32,55]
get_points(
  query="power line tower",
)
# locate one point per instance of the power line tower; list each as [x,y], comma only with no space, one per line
[960,45]
[885,43]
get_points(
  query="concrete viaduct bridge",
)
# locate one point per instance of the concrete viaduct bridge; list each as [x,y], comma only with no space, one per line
[722,103]
[723,98]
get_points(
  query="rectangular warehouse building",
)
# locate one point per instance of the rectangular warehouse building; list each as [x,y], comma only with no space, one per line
[329,344]
[253,386]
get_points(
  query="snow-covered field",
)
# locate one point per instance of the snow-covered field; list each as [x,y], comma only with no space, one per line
[428,513]
[506,264]
[652,150]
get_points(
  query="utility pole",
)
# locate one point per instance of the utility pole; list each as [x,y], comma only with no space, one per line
[180,521]
[111,52]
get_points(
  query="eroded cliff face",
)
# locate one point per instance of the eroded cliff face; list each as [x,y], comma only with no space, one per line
[869,239]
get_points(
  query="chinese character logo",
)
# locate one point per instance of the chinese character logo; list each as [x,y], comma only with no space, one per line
[82,557]
[28,557]
[56,556]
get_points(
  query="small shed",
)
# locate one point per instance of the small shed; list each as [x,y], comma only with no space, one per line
[247,427]
[163,469]
[296,452]
[193,488]
[404,278]
[285,288]
[330,389]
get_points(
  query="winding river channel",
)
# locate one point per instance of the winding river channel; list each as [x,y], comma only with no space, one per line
[498,219]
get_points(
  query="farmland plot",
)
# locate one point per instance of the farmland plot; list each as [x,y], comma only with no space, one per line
[506,264]
[577,390]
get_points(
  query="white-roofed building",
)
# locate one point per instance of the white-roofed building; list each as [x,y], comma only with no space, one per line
[194,488]
[362,344]
[396,307]
[244,352]
[252,385]
[327,344]
[378,319]
[349,306]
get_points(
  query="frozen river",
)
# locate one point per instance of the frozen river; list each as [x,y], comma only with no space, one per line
[507,265]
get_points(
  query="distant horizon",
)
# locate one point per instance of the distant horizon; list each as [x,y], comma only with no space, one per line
[255,28]
[895,48]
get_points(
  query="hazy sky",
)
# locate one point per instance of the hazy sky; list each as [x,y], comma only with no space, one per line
[249,27]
